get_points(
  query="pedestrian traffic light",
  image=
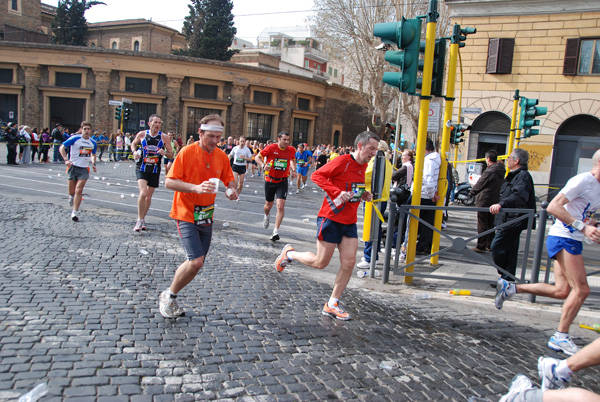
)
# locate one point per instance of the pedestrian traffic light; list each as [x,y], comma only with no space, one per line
[118,111]
[126,114]
[439,65]
[402,140]
[527,120]
[406,34]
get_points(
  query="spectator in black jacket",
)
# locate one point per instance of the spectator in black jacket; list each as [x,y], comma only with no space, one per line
[516,192]
[487,193]
[12,140]
[57,139]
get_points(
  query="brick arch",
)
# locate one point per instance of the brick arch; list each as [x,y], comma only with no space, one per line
[557,116]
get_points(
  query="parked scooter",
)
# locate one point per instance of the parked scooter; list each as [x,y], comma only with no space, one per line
[462,194]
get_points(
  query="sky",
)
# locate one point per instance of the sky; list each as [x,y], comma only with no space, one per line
[251,17]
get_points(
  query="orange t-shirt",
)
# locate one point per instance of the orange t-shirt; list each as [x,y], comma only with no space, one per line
[190,167]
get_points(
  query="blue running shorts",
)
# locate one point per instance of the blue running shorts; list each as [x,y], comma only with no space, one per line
[332,232]
[556,243]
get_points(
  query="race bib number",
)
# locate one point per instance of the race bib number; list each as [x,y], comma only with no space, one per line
[85,152]
[151,159]
[357,189]
[203,215]
[280,164]
[300,161]
[239,160]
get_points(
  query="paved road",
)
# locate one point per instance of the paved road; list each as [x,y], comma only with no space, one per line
[78,309]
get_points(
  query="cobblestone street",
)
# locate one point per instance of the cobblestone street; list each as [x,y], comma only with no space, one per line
[79,310]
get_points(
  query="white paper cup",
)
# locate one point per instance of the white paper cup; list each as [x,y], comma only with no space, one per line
[215,181]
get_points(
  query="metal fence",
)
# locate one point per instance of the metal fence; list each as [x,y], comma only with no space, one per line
[459,244]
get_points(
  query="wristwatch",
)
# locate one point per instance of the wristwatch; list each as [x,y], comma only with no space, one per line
[577,224]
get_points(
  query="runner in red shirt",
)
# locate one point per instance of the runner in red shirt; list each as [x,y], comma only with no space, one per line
[275,160]
[343,180]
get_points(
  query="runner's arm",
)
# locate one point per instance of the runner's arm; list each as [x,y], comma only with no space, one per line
[167,145]
[183,187]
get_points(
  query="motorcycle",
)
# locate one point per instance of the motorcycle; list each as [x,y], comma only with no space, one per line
[462,194]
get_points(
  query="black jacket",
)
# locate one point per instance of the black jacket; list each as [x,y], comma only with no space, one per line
[487,188]
[516,192]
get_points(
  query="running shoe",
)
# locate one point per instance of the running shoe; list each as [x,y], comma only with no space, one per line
[402,257]
[563,345]
[518,386]
[144,227]
[547,372]
[74,216]
[335,312]
[70,200]
[502,287]
[297,191]
[363,264]
[282,261]
[266,222]
[138,226]
[274,237]
[168,306]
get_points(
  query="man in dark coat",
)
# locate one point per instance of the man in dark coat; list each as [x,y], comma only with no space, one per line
[487,193]
[516,192]
[12,140]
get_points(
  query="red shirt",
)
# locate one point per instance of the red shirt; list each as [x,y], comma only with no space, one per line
[278,161]
[341,174]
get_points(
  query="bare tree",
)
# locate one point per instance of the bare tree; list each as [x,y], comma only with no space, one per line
[345,28]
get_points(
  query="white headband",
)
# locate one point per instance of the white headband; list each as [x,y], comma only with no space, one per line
[209,127]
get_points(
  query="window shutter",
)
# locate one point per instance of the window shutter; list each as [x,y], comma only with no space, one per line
[571,56]
[500,55]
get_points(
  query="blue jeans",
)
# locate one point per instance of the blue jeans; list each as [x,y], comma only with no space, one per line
[57,157]
[369,244]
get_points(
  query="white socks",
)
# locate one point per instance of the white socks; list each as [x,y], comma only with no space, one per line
[332,302]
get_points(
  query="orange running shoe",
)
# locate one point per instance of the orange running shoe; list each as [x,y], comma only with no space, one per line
[335,312]
[283,260]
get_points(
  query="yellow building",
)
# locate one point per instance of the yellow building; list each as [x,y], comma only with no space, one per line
[43,84]
[544,49]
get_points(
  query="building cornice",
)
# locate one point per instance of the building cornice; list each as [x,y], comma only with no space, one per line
[490,8]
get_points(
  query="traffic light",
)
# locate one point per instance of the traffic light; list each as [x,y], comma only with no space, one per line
[406,34]
[118,111]
[457,131]
[439,65]
[459,35]
[126,114]
[527,120]
[402,140]
[392,128]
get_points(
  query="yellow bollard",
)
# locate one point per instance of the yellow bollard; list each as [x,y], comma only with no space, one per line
[367,221]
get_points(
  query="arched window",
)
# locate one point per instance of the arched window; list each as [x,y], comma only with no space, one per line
[114,45]
[136,46]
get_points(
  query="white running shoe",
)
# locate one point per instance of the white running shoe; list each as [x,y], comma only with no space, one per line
[168,306]
[74,216]
[563,345]
[363,264]
[547,372]
[138,226]
[70,200]
[266,222]
[517,389]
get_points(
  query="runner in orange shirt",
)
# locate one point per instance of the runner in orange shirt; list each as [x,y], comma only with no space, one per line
[193,204]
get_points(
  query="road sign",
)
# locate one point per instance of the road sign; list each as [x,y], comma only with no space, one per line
[434,117]
[142,123]
[115,103]
[125,100]
[471,110]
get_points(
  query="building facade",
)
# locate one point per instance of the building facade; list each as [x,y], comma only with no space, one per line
[545,50]
[43,84]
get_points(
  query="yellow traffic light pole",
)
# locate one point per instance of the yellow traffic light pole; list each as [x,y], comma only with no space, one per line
[422,134]
[513,126]
[445,148]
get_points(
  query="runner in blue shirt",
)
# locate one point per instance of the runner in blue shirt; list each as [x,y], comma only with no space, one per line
[82,151]
[303,161]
